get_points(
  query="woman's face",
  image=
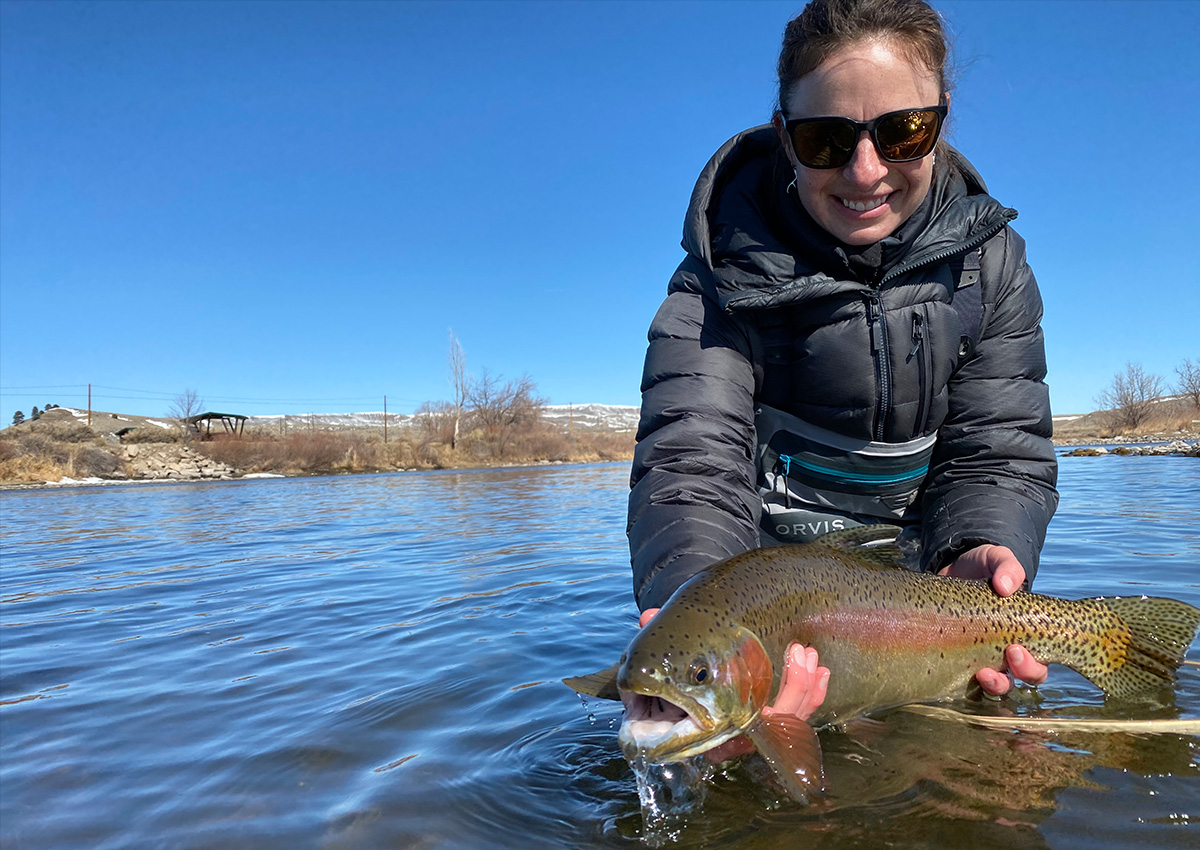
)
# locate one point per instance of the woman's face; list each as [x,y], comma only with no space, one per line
[862,82]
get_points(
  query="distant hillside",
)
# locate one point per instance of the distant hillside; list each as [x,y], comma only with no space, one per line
[612,417]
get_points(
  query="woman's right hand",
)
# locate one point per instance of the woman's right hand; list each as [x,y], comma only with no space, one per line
[801,692]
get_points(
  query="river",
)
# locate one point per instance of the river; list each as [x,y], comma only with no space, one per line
[374,662]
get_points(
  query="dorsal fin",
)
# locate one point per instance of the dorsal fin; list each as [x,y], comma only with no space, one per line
[875,544]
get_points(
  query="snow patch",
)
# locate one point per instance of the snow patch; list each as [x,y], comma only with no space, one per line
[613,417]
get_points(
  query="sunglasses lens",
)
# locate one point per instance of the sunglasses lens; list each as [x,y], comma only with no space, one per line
[907,135]
[824,144]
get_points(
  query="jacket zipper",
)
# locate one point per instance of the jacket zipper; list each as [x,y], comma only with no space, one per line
[883,377]
[918,351]
[962,248]
[878,326]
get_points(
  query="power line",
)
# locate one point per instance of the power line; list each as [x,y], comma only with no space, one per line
[160,395]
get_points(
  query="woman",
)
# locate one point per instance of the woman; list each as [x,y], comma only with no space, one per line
[852,338]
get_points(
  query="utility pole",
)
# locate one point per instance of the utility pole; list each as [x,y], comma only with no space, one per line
[385,420]
[89,405]
[570,421]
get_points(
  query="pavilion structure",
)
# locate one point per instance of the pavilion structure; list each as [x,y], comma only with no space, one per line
[234,423]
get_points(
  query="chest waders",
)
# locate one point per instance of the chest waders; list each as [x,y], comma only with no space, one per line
[813,481]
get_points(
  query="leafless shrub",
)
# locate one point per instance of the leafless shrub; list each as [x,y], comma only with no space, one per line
[436,422]
[500,410]
[36,444]
[1189,381]
[186,405]
[94,462]
[1131,397]
[64,432]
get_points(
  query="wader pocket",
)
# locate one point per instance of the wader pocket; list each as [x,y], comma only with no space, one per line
[813,481]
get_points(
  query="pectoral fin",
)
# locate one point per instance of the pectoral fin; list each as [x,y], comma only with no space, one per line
[791,748]
[601,684]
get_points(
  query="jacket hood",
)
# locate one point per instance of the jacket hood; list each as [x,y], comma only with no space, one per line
[755,236]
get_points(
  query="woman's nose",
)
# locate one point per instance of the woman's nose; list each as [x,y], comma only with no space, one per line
[865,167]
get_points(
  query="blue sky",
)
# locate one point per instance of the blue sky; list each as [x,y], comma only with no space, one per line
[288,206]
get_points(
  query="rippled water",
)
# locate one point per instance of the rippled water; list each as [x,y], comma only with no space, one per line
[374,661]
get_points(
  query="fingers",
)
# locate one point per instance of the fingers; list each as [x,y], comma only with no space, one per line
[646,616]
[803,686]
[1022,665]
[994,682]
[989,562]
[1009,575]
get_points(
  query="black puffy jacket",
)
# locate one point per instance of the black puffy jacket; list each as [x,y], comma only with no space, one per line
[874,349]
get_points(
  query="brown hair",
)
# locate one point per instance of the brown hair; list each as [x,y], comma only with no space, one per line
[826,26]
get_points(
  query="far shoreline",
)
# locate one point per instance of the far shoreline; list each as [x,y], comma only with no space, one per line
[1186,445]
[14,486]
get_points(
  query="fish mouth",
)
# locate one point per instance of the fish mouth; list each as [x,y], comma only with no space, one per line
[660,731]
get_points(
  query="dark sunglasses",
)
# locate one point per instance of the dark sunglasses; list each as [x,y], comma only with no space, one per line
[902,136]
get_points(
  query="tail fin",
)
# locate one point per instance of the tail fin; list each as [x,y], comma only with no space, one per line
[1160,632]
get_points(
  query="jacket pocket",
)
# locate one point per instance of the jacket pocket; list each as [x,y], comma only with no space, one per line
[920,353]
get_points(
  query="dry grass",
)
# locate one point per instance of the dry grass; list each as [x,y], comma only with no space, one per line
[1167,418]
[1157,423]
[326,452]
[54,451]
[152,434]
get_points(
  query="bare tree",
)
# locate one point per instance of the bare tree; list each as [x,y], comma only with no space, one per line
[1131,396]
[460,381]
[436,422]
[500,410]
[1189,381]
[186,405]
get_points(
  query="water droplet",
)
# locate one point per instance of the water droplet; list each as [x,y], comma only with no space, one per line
[583,701]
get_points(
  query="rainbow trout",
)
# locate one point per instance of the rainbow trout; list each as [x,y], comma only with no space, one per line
[701,671]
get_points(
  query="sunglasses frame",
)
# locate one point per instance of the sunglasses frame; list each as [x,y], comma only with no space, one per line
[871,129]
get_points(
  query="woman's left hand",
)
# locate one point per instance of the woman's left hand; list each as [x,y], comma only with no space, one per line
[999,566]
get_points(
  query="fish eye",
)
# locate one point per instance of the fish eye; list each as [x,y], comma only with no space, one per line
[698,672]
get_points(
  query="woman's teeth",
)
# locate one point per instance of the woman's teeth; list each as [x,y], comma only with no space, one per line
[863,206]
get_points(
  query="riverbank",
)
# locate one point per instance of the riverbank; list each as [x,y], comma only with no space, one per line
[1174,447]
[60,450]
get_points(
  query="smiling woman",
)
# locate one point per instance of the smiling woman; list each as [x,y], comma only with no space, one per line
[854,312]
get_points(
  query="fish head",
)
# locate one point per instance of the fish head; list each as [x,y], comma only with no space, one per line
[686,692]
